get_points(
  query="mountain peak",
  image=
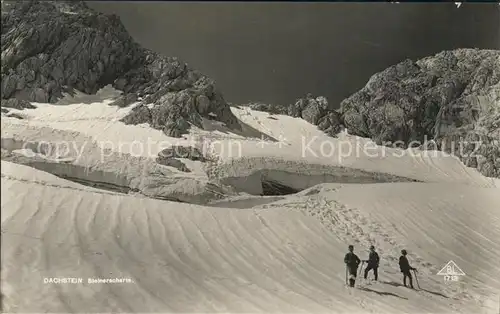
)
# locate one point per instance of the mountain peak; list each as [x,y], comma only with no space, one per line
[49,47]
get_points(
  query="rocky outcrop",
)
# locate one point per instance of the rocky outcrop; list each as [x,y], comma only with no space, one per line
[452,98]
[309,108]
[270,108]
[51,46]
[449,102]
[124,100]
[314,110]
[331,123]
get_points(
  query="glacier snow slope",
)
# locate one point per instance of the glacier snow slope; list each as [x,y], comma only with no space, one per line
[280,257]
[88,138]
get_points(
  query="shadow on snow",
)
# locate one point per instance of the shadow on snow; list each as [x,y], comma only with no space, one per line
[383,293]
[396,284]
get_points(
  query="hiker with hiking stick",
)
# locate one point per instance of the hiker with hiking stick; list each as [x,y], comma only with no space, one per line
[405,268]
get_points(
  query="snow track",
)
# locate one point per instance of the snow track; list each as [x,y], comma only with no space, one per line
[284,258]
[274,254]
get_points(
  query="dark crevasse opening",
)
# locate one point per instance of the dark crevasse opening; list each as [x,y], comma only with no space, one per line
[270,187]
[97,184]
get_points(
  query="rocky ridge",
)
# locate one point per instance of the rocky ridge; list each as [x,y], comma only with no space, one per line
[53,47]
[449,101]
[451,98]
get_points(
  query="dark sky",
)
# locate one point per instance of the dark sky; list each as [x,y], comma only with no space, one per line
[275,52]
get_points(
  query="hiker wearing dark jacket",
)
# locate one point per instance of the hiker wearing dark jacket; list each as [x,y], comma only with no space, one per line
[405,268]
[372,263]
[352,262]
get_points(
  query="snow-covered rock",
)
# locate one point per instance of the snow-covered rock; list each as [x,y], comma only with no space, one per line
[50,48]
[451,98]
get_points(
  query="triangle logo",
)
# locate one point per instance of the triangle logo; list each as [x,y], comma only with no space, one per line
[451,269]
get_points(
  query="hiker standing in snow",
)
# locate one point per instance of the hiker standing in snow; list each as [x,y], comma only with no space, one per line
[352,262]
[405,268]
[372,263]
